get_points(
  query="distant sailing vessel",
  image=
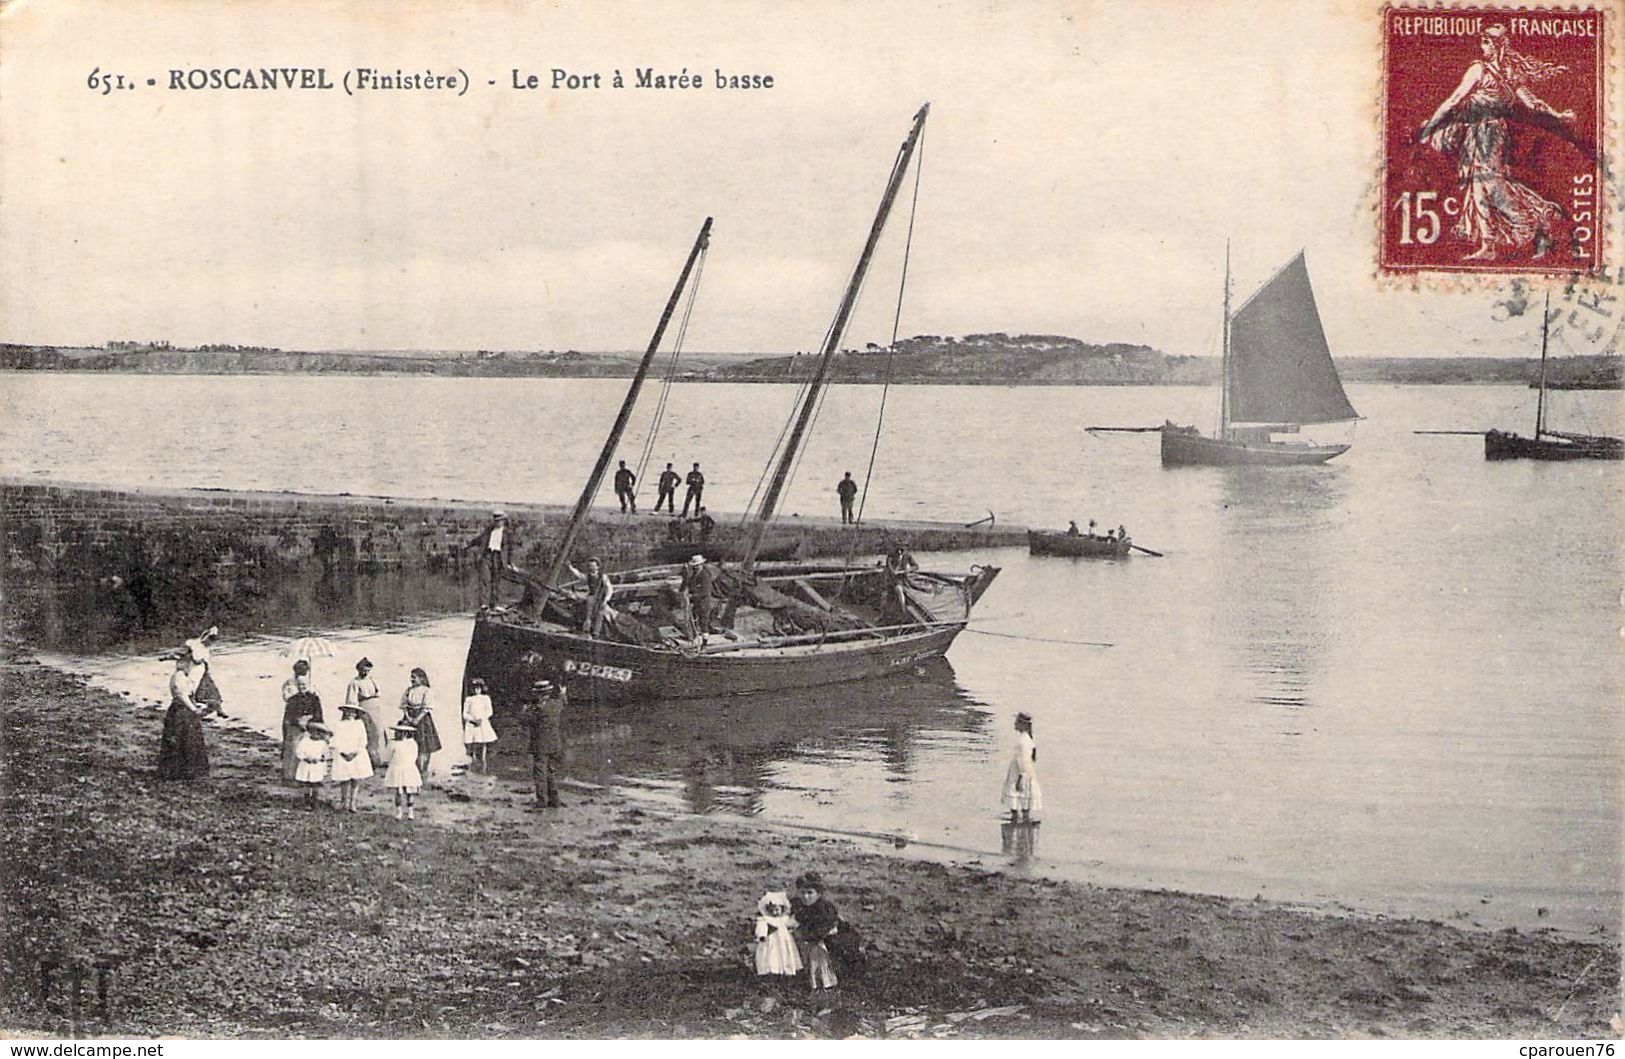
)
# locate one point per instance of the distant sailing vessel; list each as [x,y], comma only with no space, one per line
[769,626]
[1549,444]
[1277,377]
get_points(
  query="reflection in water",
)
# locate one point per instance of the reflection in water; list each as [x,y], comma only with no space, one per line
[1019,842]
[1275,526]
[723,755]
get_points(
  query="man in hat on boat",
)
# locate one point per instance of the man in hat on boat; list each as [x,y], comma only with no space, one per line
[696,489]
[624,481]
[698,588]
[543,716]
[493,543]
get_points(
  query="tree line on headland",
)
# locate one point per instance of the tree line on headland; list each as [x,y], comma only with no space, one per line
[988,359]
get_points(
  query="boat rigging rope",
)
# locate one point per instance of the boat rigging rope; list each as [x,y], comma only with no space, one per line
[891,348]
[671,372]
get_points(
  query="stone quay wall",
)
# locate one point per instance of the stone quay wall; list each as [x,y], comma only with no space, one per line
[89,566]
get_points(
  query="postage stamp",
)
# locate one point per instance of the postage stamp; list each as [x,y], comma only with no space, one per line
[1493,140]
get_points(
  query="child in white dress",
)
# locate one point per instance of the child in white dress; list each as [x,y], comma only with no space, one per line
[1022,794]
[351,763]
[478,734]
[311,754]
[775,943]
[402,775]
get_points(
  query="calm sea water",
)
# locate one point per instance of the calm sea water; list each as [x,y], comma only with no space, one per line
[1392,683]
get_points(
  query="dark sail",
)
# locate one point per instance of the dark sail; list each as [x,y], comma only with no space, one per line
[1281,369]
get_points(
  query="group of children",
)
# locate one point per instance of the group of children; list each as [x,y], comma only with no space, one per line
[805,931]
[341,753]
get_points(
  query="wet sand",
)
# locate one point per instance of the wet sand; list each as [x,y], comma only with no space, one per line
[226,910]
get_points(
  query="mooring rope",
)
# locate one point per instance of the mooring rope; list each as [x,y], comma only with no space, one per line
[671,373]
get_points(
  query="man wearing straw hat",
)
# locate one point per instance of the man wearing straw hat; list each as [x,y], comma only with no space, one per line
[698,588]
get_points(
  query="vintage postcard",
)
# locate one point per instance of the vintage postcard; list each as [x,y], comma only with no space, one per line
[810,520]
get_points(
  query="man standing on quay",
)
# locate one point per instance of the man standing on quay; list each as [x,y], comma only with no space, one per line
[624,481]
[847,490]
[696,489]
[668,490]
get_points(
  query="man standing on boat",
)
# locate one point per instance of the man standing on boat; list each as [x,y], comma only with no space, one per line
[698,587]
[669,480]
[624,481]
[847,490]
[696,489]
[599,589]
[492,543]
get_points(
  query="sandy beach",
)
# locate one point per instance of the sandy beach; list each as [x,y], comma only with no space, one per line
[221,909]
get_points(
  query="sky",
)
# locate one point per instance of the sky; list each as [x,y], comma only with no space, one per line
[1084,166]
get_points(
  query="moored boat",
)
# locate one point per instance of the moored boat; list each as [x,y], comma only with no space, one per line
[1549,444]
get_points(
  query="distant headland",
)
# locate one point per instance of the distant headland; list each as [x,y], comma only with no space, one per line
[996,359]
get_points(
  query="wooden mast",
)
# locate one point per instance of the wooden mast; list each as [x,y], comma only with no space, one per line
[809,402]
[1540,402]
[1224,353]
[579,516]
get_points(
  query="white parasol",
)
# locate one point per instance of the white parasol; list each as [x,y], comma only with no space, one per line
[309,647]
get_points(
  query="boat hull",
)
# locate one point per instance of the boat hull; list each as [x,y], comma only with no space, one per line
[1503,446]
[509,651]
[1184,447]
[1041,543]
[506,654]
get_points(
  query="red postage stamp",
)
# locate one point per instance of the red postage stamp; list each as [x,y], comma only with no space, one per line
[1493,139]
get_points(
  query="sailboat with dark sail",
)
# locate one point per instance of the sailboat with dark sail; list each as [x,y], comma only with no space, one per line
[1277,377]
[751,627]
[1547,444]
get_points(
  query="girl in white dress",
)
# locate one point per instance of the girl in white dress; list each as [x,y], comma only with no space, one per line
[477,731]
[1022,795]
[311,753]
[351,762]
[775,941]
[403,776]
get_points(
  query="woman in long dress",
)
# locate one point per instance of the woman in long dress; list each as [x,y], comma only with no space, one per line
[417,709]
[1498,210]
[1022,794]
[365,693]
[182,754]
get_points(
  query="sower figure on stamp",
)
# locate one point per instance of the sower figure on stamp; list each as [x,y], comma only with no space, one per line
[847,490]
[669,480]
[624,481]
[1498,210]
[696,490]
[543,717]
[496,550]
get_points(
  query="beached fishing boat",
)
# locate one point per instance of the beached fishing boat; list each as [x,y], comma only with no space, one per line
[1549,444]
[772,626]
[1277,377]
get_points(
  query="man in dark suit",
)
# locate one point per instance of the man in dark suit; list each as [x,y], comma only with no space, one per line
[543,716]
[847,490]
[696,489]
[624,481]
[669,480]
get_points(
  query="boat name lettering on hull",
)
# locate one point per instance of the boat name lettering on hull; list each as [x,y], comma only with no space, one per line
[602,672]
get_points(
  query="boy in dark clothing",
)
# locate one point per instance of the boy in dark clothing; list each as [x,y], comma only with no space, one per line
[696,489]
[669,480]
[624,481]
